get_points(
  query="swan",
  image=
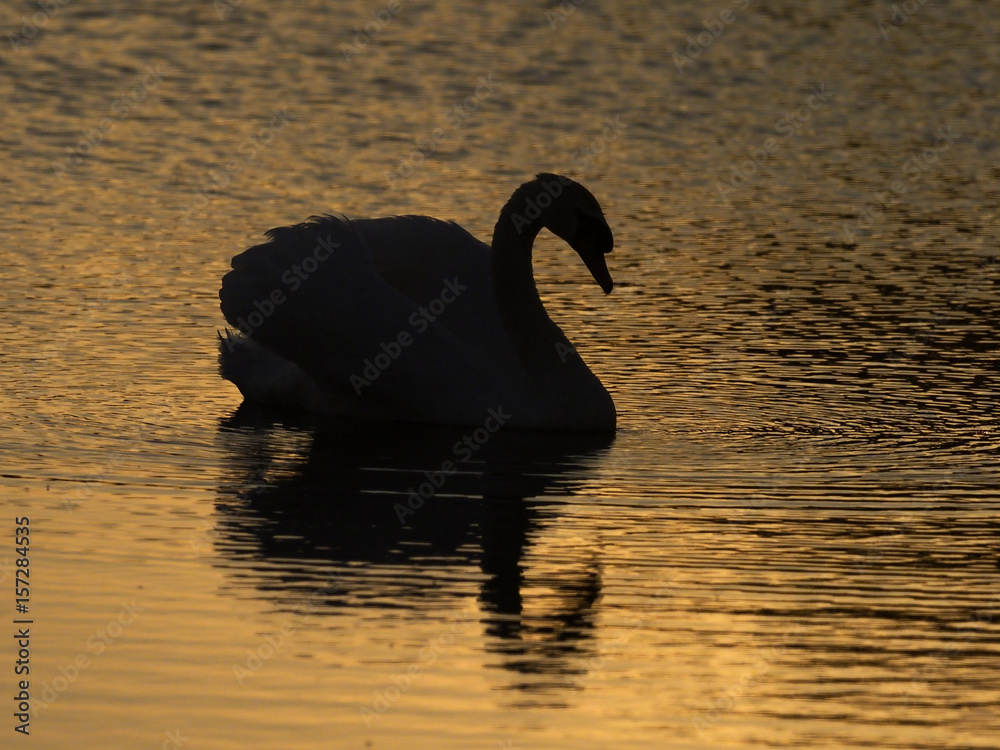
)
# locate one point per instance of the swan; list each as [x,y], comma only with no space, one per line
[412,318]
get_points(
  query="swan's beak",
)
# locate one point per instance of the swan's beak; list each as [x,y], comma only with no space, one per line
[593,255]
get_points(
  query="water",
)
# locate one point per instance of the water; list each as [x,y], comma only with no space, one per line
[792,539]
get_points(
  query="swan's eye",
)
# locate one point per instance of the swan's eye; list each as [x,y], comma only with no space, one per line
[595,229]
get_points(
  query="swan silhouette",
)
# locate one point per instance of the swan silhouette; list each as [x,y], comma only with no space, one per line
[412,318]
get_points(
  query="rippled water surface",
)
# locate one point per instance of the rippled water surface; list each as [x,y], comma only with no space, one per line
[792,539]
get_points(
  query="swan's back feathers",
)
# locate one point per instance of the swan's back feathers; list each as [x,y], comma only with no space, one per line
[328,293]
[412,253]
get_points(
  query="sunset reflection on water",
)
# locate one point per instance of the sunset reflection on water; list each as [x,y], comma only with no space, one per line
[790,541]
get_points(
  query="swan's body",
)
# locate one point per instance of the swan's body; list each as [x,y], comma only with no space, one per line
[413,318]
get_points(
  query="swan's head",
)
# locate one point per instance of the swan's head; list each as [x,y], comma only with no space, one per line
[575,216]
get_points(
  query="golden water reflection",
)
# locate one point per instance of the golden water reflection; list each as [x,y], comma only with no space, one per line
[382,501]
[792,540]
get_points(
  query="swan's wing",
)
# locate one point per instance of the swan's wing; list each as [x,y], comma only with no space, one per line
[340,298]
[408,251]
[424,258]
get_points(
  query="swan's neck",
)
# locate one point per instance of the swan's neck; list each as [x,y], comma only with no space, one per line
[539,342]
[568,388]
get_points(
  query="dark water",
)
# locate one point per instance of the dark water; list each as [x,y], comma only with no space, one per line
[792,539]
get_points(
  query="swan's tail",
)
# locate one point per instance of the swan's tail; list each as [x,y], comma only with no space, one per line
[268,378]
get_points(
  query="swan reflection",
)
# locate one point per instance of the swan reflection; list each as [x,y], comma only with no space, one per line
[306,497]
